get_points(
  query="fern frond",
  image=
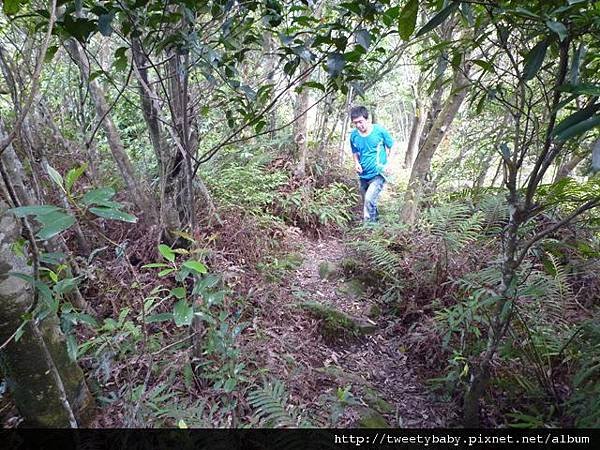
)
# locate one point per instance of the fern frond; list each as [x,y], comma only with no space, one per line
[272,409]
[455,224]
[377,251]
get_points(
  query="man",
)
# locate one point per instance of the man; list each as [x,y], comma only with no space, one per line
[371,145]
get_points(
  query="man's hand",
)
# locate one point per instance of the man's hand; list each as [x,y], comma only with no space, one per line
[358,167]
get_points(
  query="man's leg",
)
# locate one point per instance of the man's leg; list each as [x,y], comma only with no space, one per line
[363,186]
[371,197]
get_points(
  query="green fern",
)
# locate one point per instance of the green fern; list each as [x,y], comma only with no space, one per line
[455,224]
[584,404]
[376,250]
[272,410]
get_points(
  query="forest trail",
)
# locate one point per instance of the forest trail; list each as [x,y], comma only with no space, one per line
[373,367]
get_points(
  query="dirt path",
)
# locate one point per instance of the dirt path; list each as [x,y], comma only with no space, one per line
[372,368]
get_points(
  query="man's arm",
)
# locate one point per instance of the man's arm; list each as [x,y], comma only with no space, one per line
[357,165]
[389,150]
[356,156]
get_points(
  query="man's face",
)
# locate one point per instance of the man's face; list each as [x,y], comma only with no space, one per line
[361,124]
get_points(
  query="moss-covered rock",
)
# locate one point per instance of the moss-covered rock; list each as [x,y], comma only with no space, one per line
[337,324]
[327,270]
[372,419]
[354,288]
[349,266]
[374,311]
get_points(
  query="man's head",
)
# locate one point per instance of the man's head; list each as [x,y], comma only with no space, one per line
[359,116]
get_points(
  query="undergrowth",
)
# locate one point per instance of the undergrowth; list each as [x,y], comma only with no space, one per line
[440,280]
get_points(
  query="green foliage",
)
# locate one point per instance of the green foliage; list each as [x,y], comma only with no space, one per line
[455,224]
[272,409]
[249,187]
[584,403]
[329,206]
[254,189]
[55,220]
[376,249]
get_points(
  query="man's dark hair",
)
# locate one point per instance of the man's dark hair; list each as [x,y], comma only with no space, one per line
[359,111]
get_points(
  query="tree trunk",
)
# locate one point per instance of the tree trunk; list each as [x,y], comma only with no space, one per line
[345,114]
[137,189]
[565,169]
[300,129]
[415,133]
[47,387]
[480,374]
[181,119]
[438,129]
[169,217]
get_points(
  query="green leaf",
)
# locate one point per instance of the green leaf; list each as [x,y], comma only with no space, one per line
[165,272]
[407,20]
[315,85]
[20,331]
[113,214]
[178,292]
[166,252]
[73,175]
[526,12]
[34,210]
[72,347]
[86,319]
[438,19]
[335,64]
[582,89]
[484,65]
[363,38]
[100,197]
[230,385]
[162,317]
[11,7]
[53,223]
[578,129]
[104,24]
[52,258]
[576,64]
[183,313]
[467,12]
[260,125]
[50,53]
[65,286]
[558,28]
[54,175]
[80,28]
[534,60]
[196,266]
[154,265]
[576,118]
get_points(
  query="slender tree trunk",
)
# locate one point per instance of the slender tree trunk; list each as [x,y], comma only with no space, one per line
[565,169]
[345,114]
[47,387]
[301,126]
[480,373]
[137,188]
[415,133]
[182,169]
[438,129]
[169,217]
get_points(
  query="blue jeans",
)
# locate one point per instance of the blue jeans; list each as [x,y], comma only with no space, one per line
[370,190]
